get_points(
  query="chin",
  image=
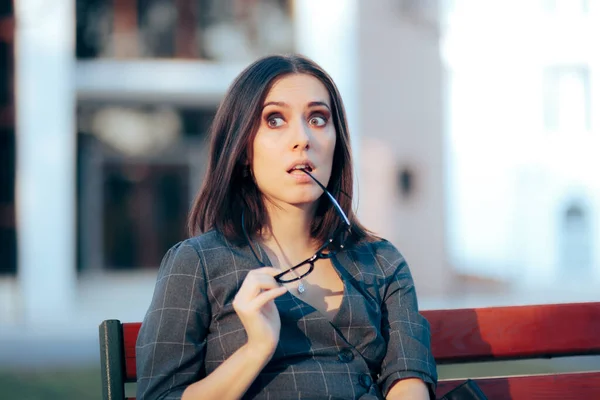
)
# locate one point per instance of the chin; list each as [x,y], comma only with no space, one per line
[306,198]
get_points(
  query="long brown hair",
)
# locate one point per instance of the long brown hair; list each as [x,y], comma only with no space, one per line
[228,190]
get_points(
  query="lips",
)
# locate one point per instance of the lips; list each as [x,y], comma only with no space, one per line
[301,165]
[309,169]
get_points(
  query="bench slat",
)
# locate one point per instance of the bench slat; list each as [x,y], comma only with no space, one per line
[130,334]
[485,333]
[573,386]
[496,333]
[581,385]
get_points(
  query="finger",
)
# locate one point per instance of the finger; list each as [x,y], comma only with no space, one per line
[242,299]
[269,295]
[253,288]
[247,305]
[255,283]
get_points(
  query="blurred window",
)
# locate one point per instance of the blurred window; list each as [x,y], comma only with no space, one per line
[219,30]
[576,240]
[8,232]
[139,168]
[567,98]
[507,170]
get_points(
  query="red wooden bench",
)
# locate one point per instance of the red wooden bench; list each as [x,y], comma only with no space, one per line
[458,336]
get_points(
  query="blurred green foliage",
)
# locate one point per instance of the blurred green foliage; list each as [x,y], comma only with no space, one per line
[44,384]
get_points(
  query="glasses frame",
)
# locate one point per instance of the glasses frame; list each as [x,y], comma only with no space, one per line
[319,255]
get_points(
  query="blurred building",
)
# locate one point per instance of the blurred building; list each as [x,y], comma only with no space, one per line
[473,143]
[524,198]
[114,101]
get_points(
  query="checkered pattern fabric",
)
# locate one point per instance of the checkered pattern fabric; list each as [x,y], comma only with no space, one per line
[376,337]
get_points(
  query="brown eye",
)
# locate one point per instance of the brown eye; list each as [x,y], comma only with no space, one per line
[317,121]
[274,122]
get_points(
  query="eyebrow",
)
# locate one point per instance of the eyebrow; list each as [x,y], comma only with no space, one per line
[285,105]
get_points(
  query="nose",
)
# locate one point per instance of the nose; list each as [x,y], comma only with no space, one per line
[301,137]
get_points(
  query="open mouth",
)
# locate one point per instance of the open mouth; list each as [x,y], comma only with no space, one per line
[301,167]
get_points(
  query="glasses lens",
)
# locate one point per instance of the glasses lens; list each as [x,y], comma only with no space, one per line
[293,274]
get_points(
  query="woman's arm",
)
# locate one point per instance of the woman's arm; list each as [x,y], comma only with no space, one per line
[232,378]
[255,306]
[171,346]
[408,389]
[406,331]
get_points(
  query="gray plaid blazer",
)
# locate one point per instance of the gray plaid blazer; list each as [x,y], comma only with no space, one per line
[376,338]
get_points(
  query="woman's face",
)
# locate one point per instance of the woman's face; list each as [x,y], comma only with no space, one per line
[296,131]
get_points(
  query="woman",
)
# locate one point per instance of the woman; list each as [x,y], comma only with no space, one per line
[229,318]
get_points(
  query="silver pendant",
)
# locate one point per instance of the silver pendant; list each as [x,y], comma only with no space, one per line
[301,287]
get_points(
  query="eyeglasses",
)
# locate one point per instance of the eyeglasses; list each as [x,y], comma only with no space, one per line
[327,250]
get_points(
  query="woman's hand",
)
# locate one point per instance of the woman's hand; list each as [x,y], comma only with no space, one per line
[408,389]
[255,306]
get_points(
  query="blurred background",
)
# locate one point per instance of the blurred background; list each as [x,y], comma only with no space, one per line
[475,127]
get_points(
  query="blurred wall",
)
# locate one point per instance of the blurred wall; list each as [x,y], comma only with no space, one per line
[402,192]
[522,138]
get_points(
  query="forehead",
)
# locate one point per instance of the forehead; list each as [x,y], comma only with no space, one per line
[296,88]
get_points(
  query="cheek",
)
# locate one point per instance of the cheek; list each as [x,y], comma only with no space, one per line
[263,156]
[265,143]
[331,143]
[257,148]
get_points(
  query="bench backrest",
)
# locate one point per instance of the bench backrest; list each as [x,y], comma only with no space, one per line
[520,332]
[458,336]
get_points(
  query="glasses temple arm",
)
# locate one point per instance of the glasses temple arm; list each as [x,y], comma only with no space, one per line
[333,200]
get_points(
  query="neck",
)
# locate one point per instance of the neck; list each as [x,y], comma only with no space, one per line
[287,234]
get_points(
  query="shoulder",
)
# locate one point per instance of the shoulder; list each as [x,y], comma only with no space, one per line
[384,255]
[387,254]
[373,264]
[214,248]
[187,256]
[214,255]
[207,241]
